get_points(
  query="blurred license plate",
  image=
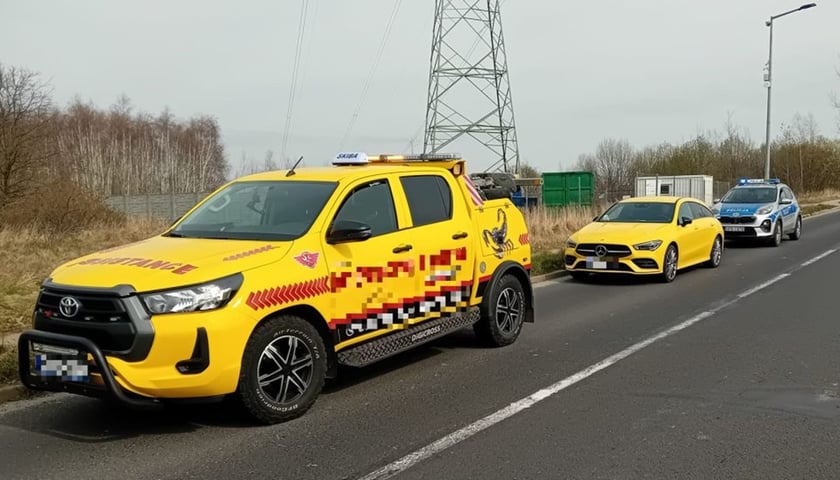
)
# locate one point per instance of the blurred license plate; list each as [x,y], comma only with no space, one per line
[72,368]
[596,262]
[734,229]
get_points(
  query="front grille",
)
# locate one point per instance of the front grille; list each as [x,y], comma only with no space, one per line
[737,220]
[102,319]
[92,308]
[645,263]
[613,250]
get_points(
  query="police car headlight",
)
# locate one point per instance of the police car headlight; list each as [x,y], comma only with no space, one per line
[765,210]
[650,245]
[207,296]
[715,210]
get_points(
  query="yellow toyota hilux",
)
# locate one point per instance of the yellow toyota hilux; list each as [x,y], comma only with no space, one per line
[265,287]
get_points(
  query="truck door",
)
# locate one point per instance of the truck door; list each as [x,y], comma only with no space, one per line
[443,239]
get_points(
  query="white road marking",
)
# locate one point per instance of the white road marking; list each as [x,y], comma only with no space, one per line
[464,433]
[819,257]
[763,285]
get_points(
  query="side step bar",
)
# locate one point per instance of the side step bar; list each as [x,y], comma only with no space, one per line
[402,340]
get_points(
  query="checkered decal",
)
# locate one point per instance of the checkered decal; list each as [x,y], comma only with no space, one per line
[447,299]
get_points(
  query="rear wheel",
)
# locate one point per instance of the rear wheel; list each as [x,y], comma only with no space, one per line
[796,234]
[716,253]
[502,313]
[283,370]
[669,265]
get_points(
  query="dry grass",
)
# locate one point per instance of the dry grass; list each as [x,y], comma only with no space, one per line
[550,227]
[821,196]
[28,256]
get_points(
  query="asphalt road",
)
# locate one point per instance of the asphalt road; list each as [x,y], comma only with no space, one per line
[741,382]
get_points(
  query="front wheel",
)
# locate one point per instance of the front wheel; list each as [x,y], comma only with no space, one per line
[796,234]
[283,370]
[669,265]
[502,313]
[776,239]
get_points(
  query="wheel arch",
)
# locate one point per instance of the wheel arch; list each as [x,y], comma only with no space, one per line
[312,316]
[519,272]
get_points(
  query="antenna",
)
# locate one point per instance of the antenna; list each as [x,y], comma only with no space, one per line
[469,91]
[292,171]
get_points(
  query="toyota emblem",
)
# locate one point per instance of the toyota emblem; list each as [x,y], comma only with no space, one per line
[601,251]
[68,306]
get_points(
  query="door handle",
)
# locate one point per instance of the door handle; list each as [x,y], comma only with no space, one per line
[402,248]
[459,235]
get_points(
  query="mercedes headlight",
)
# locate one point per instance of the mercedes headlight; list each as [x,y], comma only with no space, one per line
[765,210]
[206,296]
[571,243]
[649,245]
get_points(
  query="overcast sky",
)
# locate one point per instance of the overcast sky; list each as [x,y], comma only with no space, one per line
[646,70]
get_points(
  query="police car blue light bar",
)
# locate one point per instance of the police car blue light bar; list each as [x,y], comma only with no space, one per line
[753,181]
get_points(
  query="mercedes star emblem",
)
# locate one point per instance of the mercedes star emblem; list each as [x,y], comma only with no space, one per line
[601,251]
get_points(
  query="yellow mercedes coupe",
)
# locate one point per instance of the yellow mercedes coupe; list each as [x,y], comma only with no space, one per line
[646,236]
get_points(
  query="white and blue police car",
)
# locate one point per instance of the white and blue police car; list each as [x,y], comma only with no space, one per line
[760,209]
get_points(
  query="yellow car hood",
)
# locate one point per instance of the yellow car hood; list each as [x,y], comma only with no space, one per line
[167,262]
[618,232]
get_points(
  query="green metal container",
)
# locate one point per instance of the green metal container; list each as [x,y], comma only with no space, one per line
[562,189]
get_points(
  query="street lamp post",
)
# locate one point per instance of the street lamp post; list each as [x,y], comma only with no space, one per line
[768,80]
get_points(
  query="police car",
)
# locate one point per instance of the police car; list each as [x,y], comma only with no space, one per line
[763,209]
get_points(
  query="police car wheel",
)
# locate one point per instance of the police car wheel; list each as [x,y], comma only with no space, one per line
[796,234]
[502,313]
[776,239]
[669,265]
[283,370]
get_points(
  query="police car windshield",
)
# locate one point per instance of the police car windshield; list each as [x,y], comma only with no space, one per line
[750,195]
[639,212]
[258,210]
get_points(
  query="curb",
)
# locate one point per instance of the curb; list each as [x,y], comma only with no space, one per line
[548,276]
[822,212]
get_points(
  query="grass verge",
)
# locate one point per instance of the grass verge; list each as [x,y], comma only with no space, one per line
[808,210]
[820,196]
[8,363]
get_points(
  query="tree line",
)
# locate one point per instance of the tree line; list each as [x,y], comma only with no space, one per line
[800,156]
[103,152]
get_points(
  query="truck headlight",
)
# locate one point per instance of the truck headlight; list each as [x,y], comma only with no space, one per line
[206,296]
[649,245]
[765,210]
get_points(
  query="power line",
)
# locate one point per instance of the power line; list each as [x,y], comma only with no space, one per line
[295,71]
[369,80]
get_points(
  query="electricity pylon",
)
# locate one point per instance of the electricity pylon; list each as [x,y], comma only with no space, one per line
[469,90]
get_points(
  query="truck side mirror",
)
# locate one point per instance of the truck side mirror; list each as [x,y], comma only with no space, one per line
[344,231]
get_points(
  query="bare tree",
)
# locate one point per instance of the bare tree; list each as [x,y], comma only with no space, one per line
[25,115]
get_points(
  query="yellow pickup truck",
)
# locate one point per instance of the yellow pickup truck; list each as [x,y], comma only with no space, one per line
[265,287]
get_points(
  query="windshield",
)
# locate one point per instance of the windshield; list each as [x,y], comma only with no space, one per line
[644,212]
[750,195]
[265,210]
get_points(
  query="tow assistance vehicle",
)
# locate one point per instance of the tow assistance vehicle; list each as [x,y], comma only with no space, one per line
[760,209]
[266,286]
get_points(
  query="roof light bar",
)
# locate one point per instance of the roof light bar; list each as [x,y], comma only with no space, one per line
[419,157]
[753,181]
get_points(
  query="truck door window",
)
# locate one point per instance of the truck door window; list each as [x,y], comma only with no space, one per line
[371,203]
[429,198]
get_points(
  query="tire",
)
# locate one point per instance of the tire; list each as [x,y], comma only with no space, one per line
[273,350]
[796,234]
[776,239]
[502,313]
[716,253]
[669,264]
